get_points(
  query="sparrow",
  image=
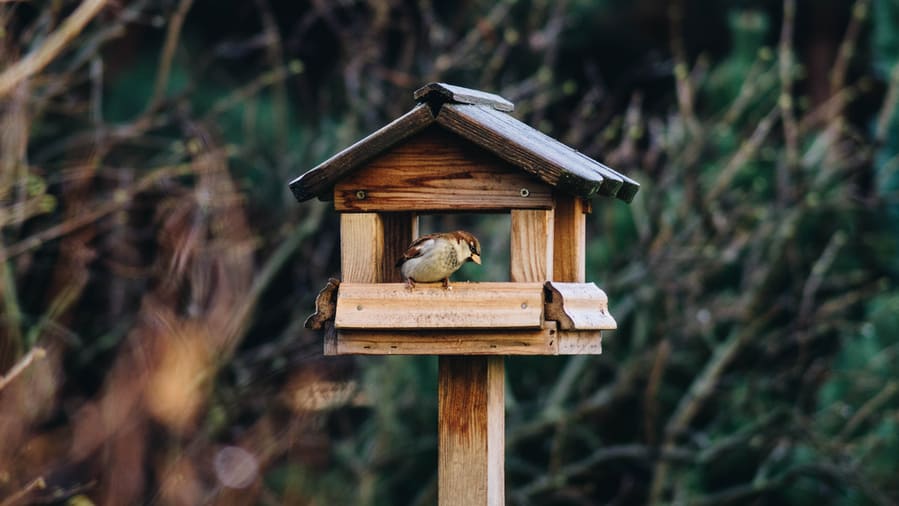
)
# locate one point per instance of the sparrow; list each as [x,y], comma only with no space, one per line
[435,257]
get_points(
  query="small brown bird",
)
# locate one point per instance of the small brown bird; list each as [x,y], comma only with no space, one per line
[435,257]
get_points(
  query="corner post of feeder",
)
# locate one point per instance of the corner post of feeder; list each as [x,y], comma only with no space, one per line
[370,243]
[570,238]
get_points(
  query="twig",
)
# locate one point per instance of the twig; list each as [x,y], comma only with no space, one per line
[35,353]
[889,107]
[168,52]
[868,408]
[650,397]
[36,484]
[622,452]
[791,132]
[122,199]
[819,269]
[684,85]
[700,390]
[36,60]
[847,46]
[743,155]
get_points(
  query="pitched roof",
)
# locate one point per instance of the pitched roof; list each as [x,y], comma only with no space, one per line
[481,118]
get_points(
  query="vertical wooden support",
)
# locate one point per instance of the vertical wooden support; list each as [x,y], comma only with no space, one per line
[370,244]
[570,237]
[532,245]
[472,428]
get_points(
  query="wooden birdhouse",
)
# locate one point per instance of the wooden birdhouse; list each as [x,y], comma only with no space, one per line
[460,150]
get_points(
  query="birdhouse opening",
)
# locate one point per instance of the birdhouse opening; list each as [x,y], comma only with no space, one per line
[493,230]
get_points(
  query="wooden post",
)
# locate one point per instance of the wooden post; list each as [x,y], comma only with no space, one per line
[472,428]
[370,244]
[570,232]
[532,245]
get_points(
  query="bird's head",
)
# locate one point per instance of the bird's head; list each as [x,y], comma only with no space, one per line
[467,247]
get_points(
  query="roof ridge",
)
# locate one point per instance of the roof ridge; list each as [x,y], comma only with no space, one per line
[437,94]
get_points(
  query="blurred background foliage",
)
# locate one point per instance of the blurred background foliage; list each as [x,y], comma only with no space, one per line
[156,272]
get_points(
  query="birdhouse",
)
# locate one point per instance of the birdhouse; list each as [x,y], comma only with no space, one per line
[460,150]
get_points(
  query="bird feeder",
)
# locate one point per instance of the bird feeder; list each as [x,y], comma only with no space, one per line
[460,150]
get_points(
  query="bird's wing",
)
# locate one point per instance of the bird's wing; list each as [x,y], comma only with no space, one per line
[415,249]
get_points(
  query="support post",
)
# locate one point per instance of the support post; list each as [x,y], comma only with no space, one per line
[472,428]
[370,244]
[570,233]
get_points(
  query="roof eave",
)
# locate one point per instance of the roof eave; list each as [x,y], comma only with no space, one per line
[318,181]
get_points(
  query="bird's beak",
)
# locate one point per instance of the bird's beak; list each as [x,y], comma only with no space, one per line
[476,258]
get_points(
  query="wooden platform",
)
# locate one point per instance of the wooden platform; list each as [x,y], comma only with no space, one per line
[469,319]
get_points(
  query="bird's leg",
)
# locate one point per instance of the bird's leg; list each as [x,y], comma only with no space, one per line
[410,284]
[446,283]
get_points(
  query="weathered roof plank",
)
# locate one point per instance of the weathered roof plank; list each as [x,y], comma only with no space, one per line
[536,152]
[482,119]
[321,179]
[442,92]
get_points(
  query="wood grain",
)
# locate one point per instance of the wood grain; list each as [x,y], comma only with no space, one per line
[578,306]
[465,306]
[370,243]
[471,437]
[569,239]
[436,170]
[318,181]
[399,230]
[361,247]
[531,246]
[543,341]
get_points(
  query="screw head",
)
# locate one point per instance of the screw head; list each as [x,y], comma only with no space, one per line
[524,192]
[360,194]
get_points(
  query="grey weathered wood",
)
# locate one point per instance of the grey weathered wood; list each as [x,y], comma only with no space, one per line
[479,118]
[438,93]
[319,181]
[535,152]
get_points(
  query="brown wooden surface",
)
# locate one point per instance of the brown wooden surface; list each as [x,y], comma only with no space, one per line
[578,306]
[399,230]
[569,243]
[430,306]
[438,171]
[319,181]
[531,246]
[471,431]
[498,132]
[442,92]
[543,341]
[370,244]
